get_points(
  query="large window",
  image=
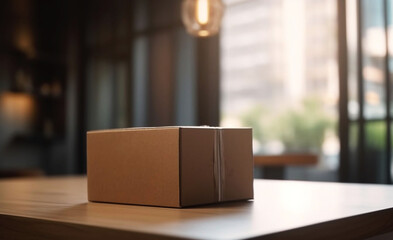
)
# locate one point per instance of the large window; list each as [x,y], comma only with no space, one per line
[369,43]
[279,75]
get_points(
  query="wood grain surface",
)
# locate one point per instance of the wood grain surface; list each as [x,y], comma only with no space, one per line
[57,208]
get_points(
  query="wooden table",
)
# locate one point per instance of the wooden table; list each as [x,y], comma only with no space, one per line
[57,208]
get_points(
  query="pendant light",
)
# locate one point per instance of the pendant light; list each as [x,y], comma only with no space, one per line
[202,18]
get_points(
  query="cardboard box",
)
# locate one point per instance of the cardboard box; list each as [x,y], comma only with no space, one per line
[170,166]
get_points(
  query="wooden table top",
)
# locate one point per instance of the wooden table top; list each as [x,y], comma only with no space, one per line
[57,208]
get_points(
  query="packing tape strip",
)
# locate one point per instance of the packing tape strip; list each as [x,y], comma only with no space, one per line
[219,164]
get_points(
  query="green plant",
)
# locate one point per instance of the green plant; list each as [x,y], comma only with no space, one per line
[301,129]
[304,128]
[376,135]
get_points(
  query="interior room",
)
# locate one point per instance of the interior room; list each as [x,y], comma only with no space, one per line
[311,78]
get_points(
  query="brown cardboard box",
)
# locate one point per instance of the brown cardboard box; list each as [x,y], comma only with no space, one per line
[170,166]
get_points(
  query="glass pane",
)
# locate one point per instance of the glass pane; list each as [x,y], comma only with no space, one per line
[390,42]
[353,151]
[185,79]
[161,78]
[140,76]
[391,154]
[100,98]
[353,102]
[121,94]
[373,59]
[390,46]
[391,151]
[375,152]
[279,75]
[91,94]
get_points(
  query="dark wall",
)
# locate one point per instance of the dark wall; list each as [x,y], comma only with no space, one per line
[33,85]
[84,65]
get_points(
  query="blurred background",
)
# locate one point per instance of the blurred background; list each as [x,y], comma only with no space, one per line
[310,77]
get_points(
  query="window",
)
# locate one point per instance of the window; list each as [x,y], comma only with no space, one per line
[279,75]
[369,92]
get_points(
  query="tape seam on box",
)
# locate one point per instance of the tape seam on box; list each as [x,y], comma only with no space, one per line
[219,164]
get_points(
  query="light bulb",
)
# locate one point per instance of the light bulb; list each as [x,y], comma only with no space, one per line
[202,17]
[202,11]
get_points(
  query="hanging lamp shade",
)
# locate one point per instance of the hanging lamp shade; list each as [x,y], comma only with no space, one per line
[202,18]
